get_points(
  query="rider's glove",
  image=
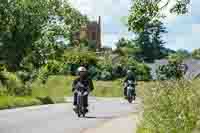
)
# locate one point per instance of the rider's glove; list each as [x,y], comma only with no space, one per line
[86,93]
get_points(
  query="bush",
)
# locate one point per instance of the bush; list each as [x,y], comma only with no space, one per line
[173,70]
[170,106]
[105,75]
[196,54]
[46,100]
[7,102]
[14,85]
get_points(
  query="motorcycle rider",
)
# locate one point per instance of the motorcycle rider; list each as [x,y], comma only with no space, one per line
[86,82]
[130,76]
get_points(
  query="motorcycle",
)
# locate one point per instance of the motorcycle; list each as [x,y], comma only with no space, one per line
[81,110]
[131,96]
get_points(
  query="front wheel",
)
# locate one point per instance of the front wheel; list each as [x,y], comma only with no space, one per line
[130,99]
[83,114]
[79,115]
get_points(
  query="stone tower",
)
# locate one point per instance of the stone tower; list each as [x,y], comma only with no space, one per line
[92,32]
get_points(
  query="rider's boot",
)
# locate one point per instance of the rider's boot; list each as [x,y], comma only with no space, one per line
[75,108]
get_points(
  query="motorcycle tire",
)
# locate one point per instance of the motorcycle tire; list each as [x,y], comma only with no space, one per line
[130,100]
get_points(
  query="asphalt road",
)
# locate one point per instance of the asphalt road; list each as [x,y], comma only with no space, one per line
[61,119]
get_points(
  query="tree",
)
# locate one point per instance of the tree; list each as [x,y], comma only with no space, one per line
[127,47]
[144,12]
[20,25]
[183,53]
[150,41]
[196,54]
[145,21]
[30,27]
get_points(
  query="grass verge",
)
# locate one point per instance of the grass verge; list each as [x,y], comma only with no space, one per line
[56,88]
[60,86]
[8,102]
[171,106]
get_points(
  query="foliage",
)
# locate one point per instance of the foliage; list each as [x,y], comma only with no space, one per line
[13,85]
[127,48]
[150,41]
[117,69]
[145,21]
[21,22]
[35,28]
[144,12]
[8,102]
[181,7]
[170,106]
[74,59]
[46,100]
[196,54]
[181,53]
[173,70]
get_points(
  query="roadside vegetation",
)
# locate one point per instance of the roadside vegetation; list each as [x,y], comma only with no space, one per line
[171,106]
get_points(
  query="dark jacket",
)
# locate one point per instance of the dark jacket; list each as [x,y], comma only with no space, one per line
[87,83]
[130,77]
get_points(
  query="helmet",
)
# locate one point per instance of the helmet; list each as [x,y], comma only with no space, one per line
[82,69]
[129,71]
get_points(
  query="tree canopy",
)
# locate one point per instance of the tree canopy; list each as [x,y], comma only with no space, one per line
[34,27]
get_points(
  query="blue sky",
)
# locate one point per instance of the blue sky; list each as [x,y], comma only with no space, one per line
[183,31]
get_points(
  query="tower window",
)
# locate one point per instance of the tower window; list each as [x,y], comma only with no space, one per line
[93,36]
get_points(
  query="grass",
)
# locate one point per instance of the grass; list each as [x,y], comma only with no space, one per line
[8,102]
[56,88]
[170,107]
[60,86]
[108,88]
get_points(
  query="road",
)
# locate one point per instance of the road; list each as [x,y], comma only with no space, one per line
[60,118]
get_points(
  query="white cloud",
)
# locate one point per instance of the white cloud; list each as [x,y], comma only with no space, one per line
[196,28]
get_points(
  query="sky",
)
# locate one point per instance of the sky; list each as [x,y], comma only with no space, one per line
[183,31]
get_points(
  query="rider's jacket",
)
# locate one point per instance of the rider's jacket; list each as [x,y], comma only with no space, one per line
[87,83]
[130,77]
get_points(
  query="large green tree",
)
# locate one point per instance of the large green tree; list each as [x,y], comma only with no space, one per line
[28,27]
[145,21]
[145,11]
[150,41]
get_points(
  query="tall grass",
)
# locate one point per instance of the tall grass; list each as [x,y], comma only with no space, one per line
[170,106]
[60,86]
[108,88]
[7,102]
[57,87]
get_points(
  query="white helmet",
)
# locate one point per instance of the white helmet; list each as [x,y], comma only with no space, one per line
[82,69]
[129,71]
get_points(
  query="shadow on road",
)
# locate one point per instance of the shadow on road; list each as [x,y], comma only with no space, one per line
[100,117]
